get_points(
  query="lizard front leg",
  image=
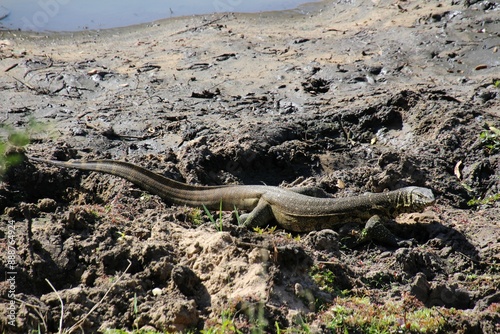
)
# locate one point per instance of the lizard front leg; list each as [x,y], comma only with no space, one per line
[375,230]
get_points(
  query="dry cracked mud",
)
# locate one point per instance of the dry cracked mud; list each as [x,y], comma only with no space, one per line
[349,96]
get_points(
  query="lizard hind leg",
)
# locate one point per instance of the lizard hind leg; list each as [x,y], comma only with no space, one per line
[260,216]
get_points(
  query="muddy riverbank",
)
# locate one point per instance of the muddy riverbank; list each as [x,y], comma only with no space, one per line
[351,97]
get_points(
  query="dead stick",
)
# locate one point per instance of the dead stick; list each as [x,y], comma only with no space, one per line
[200,26]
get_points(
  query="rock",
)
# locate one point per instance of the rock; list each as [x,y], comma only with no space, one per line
[420,287]
[47,204]
[448,296]
[175,315]
[327,240]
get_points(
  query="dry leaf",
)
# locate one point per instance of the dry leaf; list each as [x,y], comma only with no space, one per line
[456,170]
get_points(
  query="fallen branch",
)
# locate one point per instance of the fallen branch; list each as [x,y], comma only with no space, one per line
[200,26]
[62,306]
[79,322]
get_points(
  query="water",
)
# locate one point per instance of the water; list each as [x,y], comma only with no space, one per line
[74,15]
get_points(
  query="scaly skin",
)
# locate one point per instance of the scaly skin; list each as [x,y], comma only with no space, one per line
[292,210]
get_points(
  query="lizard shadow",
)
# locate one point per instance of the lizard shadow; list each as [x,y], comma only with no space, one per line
[443,240]
[191,286]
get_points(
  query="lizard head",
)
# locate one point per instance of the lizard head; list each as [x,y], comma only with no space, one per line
[409,199]
[418,198]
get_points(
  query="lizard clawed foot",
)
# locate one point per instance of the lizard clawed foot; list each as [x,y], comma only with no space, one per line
[242,218]
[375,230]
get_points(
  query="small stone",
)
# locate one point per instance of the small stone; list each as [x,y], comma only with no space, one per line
[420,287]
[299,290]
[157,292]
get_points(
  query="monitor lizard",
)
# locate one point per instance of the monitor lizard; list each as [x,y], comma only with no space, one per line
[291,209]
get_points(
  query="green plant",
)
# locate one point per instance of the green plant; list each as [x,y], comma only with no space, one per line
[237,215]
[217,222]
[138,331]
[121,235]
[490,138]
[323,277]
[338,318]
[107,208]
[136,309]
[146,197]
[14,140]
[484,201]
[194,215]
[267,229]
[95,213]
[257,318]
[277,326]
[226,325]
[303,325]
[37,331]
[292,237]
[10,149]
[361,315]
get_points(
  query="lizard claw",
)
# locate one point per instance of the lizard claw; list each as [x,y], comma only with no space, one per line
[376,231]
